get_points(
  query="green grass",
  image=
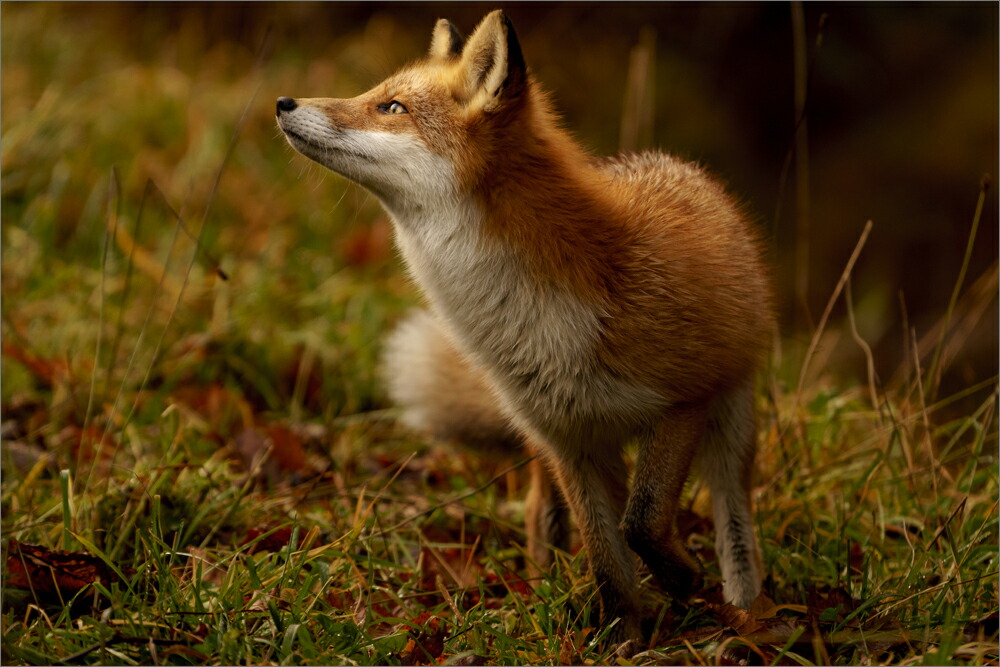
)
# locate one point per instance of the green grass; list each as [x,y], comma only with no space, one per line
[223,448]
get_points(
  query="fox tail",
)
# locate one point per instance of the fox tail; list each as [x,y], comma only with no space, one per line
[441,391]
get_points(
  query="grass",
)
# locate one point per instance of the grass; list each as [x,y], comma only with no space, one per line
[191,320]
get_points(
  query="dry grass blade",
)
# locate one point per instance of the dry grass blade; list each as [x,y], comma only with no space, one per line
[640,93]
[814,343]
[113,214]
[150,186]
[967,314]
[936,367]
[865,347]
[925,416]
[801,158]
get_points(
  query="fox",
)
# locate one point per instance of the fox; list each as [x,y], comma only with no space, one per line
[576,305]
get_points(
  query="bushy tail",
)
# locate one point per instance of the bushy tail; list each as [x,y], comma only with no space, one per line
[440,390]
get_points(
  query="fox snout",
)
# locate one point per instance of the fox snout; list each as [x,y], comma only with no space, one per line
[285,104]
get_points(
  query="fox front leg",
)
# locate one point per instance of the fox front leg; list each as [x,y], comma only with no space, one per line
[596,490]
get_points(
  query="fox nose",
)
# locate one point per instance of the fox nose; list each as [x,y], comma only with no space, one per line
[285,104]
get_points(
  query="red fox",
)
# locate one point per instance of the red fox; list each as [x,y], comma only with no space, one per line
[576,304]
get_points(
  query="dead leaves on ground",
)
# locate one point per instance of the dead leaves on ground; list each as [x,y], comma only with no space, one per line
[830,625]
[229,411]
[827,625]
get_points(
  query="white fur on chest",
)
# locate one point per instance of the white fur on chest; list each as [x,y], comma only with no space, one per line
[537,341]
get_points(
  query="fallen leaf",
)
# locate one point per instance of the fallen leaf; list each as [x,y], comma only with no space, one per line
[272,542]
[570,644]
[288,452]
[273,452]
[740,620]
[427,645]
[45,571]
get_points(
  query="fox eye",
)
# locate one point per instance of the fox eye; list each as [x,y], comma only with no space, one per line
[393,107]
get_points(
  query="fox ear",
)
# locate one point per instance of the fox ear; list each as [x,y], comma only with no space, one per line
[446,40]
[495,72]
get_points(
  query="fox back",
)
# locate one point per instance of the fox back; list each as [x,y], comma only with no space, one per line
[586,302]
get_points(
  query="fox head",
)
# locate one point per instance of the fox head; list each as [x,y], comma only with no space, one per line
[428,130]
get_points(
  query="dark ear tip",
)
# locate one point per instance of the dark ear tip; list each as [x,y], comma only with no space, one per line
[515,55]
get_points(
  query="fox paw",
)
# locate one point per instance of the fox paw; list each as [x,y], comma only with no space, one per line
[681,575]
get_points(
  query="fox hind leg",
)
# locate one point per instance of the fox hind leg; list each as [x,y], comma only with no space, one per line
[661,471]
[727,466]
[546,517]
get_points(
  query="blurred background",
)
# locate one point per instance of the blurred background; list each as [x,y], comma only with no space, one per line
[818,116]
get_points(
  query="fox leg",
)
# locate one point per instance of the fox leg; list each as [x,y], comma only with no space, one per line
[660,474]
[727,467]
[596,491]
[546,517]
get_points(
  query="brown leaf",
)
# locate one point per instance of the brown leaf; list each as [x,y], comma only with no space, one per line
[427,645]
[223,409]
[341,600]
[273,452]
[691,523]
[765,608]
[273,542]
[740,620]
[42,570]
[406,656]
[760,625]
[288,452]
[569,646]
